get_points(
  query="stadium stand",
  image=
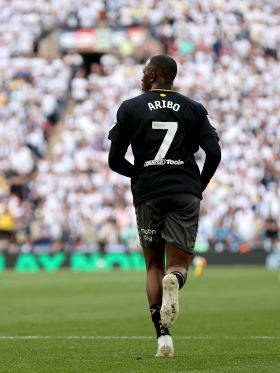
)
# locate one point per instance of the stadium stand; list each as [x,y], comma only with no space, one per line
[63,197]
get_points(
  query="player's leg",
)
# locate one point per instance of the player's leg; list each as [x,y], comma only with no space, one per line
[178,262]
[149,222]
[177,265]
[179,231]
[155,268]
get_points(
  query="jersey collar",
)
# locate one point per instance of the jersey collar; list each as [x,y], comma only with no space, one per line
[162,89]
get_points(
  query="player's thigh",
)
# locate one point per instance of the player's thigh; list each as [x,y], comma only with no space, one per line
[181,222]
[149,223]
[154,256]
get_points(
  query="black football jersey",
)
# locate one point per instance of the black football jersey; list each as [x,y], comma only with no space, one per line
[164,129]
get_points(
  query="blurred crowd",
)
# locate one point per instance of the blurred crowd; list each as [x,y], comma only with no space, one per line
[64,197]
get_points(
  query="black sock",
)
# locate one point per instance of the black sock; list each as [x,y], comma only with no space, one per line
[155,315]
[181,279]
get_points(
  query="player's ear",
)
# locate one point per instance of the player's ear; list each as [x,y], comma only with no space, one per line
[153,77]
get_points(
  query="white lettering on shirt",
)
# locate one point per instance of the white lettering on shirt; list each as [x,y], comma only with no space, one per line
[163,104]
[151,106]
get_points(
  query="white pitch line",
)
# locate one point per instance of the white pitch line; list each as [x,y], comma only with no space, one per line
[107,337]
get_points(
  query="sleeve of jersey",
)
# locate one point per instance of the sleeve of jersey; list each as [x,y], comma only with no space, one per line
[208,141]
[120,132]
[120,139]
[206,128]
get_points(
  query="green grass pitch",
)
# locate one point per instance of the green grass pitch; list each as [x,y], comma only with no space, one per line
[62,322]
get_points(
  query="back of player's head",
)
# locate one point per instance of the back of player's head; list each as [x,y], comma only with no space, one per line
[165,66]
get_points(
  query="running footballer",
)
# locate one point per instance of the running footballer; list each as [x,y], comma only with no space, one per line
[165,129]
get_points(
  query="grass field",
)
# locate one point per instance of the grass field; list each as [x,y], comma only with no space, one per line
[99,322]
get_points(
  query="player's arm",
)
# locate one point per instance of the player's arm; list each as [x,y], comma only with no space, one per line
[209,142]
[213,157]
[117,161]
[120,136]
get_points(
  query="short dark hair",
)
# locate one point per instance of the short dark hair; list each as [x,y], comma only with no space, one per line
[165,65]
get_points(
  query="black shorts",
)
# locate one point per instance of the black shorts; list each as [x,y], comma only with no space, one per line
[173,219]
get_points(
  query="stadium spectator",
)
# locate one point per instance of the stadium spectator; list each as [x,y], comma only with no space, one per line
[229,57]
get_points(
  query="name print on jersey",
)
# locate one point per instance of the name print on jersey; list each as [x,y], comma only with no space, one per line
[163,104]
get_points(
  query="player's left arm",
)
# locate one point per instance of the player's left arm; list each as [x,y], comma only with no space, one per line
[209,142]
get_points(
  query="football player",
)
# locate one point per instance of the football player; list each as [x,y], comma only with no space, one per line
[165,129]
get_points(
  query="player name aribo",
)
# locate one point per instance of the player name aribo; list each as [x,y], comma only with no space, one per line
[163,104]
[161,162]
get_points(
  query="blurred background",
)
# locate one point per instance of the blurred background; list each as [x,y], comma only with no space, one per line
[66,66]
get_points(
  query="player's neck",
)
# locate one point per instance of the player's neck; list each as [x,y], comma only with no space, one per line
[168,87]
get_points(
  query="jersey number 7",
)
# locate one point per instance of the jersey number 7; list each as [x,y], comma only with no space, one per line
[171,128]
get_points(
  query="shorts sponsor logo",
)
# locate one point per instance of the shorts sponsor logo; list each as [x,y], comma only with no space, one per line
[148,231]
[148,238]
[148,234]
[162,162]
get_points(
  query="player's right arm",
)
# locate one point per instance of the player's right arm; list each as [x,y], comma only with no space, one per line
[117,161]
[120,136]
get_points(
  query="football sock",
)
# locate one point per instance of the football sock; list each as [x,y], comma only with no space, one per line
[155,315]
[181,279]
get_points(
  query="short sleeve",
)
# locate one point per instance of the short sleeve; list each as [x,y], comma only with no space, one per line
[206,128]
[120,132]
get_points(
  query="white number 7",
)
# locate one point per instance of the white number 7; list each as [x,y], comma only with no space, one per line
[171,128]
